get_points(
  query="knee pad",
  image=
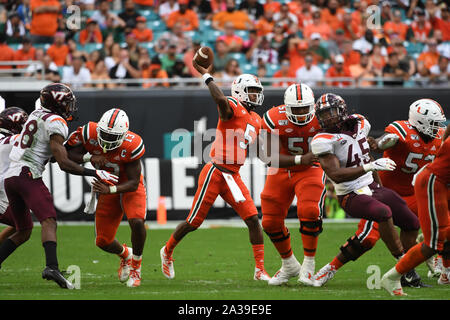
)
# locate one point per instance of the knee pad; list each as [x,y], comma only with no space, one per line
[311,228]
[272,223]
[353,249]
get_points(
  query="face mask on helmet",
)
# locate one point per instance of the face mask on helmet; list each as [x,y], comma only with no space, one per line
[255,96]
[247,89]
[329,118]
[427,117]
[300,114]
[112,129]
[109,140]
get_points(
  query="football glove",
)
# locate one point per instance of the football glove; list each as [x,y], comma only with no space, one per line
[106,177]
[382,164]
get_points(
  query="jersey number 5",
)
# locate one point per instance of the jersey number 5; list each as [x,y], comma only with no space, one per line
[413,167]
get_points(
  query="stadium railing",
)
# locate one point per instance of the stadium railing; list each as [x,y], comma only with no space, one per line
[18,69]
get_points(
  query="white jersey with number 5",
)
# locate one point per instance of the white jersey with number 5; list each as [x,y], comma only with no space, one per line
[32,149]
[352,151]
[6,144]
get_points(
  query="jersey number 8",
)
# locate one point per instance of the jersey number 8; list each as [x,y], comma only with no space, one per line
[28,134]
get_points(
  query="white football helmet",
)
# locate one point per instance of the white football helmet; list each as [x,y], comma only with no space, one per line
[112,129]
[239,89]
[299,96]
[427,116]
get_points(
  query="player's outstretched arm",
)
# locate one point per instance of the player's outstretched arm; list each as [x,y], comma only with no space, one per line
[225,111]
[386,141]
[60,154]
[80,155]
[133,173]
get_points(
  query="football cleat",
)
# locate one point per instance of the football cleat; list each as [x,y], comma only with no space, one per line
[261,274]
[324,275]
[307,272]
[394,287]
[166,264]
[435,265]
[135,274]
[125,265]
[285,273]
[412,279]
[55,275]
[445,277]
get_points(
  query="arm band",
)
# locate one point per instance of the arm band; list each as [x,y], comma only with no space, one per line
[298,159]
[112,189]
[207,78]
[87,157]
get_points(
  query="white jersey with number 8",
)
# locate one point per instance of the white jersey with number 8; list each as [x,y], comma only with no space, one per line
[352,151]
[32,149]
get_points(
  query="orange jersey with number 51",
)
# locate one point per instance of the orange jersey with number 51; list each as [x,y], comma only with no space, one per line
[410,153]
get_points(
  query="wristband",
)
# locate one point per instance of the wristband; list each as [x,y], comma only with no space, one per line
[87,157]
[207,78]
[112,189]
[298,159]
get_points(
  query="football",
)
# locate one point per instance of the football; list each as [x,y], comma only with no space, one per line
[204,57]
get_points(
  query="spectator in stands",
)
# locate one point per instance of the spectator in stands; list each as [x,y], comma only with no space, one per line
[240,19]
[187,17]
[333,14]
[177,37]
[352,30]
[129,15]
[261,73]
[76,75]
[233,42]
[404,59]
[6,53]
[251,41]
[153,70]
[350,55]
[286,18]
[45,62]
[105,18]
[443,23]
[421,27]
[15,29]
[221,56]
[179,71]
[395,71]
[284,72]
[272,5]
[443,47]
[321,54]
[253,8]
[58,50]
[396,26]
[26,53]
[266,23]
[278,39]
[189,55]
[141,32]
[310,74]
[338,70]
[132,47]
[202,8]
[386,12]
[363,71]
[44,21]
[262,53]
[318,26]
[365,43]
[229,73]
[168,59]
[422,76]
[91,34]
[125,69]
[360,11]
[335,44]
[431,56]
[297,50]
[377,60]
[440,73]
[24,12]
[167,7]
[112,57]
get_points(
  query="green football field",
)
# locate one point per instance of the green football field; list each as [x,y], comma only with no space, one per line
[211,263]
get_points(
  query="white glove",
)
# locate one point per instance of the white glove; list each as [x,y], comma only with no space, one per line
[388,141]
[382,164]
[106,177]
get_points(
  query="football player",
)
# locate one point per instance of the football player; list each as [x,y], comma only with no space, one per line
[12,120]
[300,175]
[238,127]
[110,145]
[42,138]
[343,153]
[431,189]
[411,144]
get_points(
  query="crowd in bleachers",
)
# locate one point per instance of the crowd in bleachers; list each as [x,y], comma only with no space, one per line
[320,42]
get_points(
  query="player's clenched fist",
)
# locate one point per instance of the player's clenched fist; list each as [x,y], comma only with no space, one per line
[106,177]
[382,164]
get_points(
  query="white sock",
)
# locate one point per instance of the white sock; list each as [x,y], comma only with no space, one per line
[393,274]
[307,259]
[289,261]
[137,258]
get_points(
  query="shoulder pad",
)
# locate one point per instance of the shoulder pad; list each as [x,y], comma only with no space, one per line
[322,143]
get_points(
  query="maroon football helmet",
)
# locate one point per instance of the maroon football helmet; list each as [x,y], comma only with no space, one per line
[59,98]
[331,111]
[12,120]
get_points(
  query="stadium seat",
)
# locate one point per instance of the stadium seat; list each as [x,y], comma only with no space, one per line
[88,13]
[249,68]
[15,46]
[157,25]
[240,57]
[89,47]
[204,25]
[242,33]
[149,15]
[44,46]
[271,68]
[149,46]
